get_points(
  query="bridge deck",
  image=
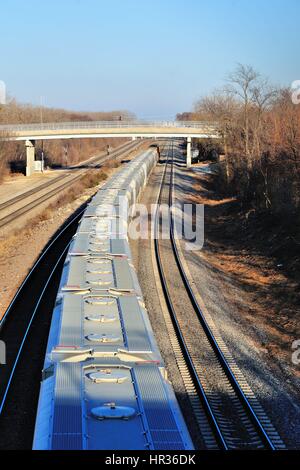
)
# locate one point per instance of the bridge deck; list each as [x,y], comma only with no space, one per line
[91,129]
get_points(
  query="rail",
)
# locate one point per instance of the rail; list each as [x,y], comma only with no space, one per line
[267,437]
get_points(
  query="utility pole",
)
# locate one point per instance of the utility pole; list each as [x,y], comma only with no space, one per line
[41,116]
[42,156]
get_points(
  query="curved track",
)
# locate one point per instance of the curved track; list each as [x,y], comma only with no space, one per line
[24,329]
[233,420]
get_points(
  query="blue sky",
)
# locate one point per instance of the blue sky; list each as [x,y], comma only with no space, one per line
[154,58]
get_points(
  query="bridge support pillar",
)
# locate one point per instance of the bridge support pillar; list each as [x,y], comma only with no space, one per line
[188,152]
[32,165]
[30,154]
[133,137]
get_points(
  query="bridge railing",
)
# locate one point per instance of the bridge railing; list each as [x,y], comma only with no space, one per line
[52,126]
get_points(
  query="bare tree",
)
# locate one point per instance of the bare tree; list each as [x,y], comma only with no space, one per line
[241,83]
[261,135]
[263,95]
[221,108]
[288,125]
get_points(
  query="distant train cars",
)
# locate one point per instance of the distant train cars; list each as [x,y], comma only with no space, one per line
[104,383]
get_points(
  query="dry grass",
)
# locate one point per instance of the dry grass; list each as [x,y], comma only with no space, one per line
[7,243]
[246,269]
[200,199]
[250,258]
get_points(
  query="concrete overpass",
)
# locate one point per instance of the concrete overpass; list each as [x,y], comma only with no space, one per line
[29,133]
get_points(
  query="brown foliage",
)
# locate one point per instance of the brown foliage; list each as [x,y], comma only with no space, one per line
[260,129]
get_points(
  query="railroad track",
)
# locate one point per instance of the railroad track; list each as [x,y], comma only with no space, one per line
[66,181]
[228,413]
[24,329]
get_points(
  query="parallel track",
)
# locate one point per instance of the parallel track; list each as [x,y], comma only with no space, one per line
[24,329]
[15,324]
[228,422]
[235,416]
[93,163]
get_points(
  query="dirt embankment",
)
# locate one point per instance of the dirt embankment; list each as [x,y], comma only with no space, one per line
[261,256]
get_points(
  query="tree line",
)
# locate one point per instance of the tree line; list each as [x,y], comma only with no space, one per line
[260,129]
